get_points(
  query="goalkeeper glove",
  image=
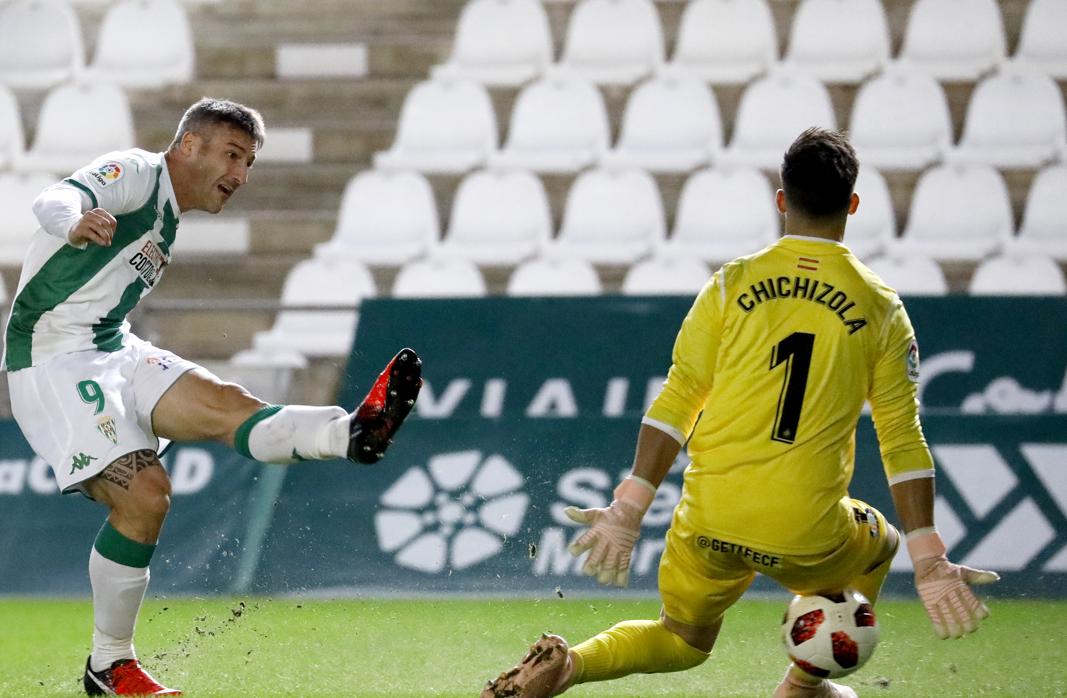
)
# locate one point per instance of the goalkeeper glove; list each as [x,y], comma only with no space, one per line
[613,531]
[943,585]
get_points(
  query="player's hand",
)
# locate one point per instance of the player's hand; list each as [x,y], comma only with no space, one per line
[96,226]
[944,587]
[610,540]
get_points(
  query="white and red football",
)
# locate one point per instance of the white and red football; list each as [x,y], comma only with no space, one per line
[830,636]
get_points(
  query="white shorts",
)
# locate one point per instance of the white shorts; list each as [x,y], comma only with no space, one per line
[82,411]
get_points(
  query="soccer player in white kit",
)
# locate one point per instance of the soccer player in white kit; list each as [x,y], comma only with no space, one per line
[94,400]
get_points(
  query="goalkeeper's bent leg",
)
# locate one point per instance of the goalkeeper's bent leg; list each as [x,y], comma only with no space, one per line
[870,582]
[632,647]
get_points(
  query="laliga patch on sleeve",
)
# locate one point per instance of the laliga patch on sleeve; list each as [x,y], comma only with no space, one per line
[108,173]
[913,362]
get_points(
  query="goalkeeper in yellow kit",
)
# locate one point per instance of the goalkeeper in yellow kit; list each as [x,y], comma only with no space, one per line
[770,371]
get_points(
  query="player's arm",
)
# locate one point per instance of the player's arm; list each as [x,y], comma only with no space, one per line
[943,586]
[65,212]
[615,529]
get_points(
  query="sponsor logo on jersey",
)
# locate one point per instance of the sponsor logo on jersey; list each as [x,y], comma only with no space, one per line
[106,426]
[149,262]
[80,461]
[108,173]
[913,362]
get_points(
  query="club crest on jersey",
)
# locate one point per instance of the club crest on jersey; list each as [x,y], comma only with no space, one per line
[106,426]
[108,173]
[149,262]
[913,362]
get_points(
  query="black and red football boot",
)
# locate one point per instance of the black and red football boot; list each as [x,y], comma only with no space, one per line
[125,677]
[372,426]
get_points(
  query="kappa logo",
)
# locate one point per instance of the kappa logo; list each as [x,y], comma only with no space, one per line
[80,461]
[453,514]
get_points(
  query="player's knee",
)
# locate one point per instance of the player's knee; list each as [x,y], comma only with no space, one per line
[231,404]
[150,494]
[688,648]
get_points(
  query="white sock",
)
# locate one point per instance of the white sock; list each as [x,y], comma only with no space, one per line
[293,433]
[117,594]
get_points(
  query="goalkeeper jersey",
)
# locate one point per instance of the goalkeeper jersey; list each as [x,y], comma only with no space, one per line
[776,358]
[71,299]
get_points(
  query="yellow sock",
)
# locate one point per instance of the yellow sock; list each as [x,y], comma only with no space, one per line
[634,647]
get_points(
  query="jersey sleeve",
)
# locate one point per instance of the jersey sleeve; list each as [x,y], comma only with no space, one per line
[894,398]
[691,376]
[118,182]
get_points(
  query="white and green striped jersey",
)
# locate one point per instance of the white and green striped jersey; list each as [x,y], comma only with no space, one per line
[70,299]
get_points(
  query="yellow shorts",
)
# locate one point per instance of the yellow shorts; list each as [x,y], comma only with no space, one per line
[700,575]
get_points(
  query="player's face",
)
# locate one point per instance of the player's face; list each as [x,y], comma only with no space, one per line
[222,161]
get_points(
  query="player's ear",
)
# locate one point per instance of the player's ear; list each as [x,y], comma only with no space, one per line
[779,200]
[190,143]
[853,203]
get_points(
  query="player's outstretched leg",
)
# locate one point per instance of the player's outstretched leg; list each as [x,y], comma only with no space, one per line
[374,423]
[797,684]
[124,678]
[544,671]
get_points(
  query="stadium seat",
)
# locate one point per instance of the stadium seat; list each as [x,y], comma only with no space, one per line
[958,213]
[612,217]
[500,42]
[773,111]
[1018,275]
[1044,226]
[1015,119]
[12,141]
[613,42]
[874,225]
[666,275]
[386,219]
[144,43]
[670,124]
[42,43]
[499,217]
[559,124]
[725,41]
[724,213]
[838,41]
[77,124]
[954,40]
[911,274]
[553,275]
[901,121]
[446,127]
[18,224]
[1043,41]
[439,277]
[318,333]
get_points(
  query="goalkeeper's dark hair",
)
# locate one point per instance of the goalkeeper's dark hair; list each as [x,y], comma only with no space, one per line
[819,173]
[211,112]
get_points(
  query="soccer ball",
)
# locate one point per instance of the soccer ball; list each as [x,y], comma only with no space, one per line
[830,636]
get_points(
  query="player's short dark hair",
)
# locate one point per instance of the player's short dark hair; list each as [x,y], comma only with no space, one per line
[209,112]
[819,173]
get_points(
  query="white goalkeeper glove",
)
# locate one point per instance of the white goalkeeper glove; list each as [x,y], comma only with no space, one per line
[943,586]
[613,531]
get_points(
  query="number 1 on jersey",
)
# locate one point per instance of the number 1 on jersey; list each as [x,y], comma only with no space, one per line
[795,352]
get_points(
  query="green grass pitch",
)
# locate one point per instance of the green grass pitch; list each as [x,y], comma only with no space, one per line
[448,648]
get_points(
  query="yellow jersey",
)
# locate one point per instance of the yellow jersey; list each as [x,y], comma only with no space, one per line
[776,358]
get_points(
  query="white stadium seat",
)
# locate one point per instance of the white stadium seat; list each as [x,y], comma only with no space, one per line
[18,224]
[499,217]
[439,277]
[1044,226]
[670,124]
[612,217]
[1015,119]
[911,274]
[773,111]
[559,124]
[958,213]
[500,42]
[1043,41]
[12,140]
[666,275]
[614,42]
[901,121]
[839,41]
[725,41]
[874,225]
[1018,275]
[317,333]
[724,213]
[144,43]
[446,126]
[954,40]
[77,124]
[386,219]
[554,275]
[42,43]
